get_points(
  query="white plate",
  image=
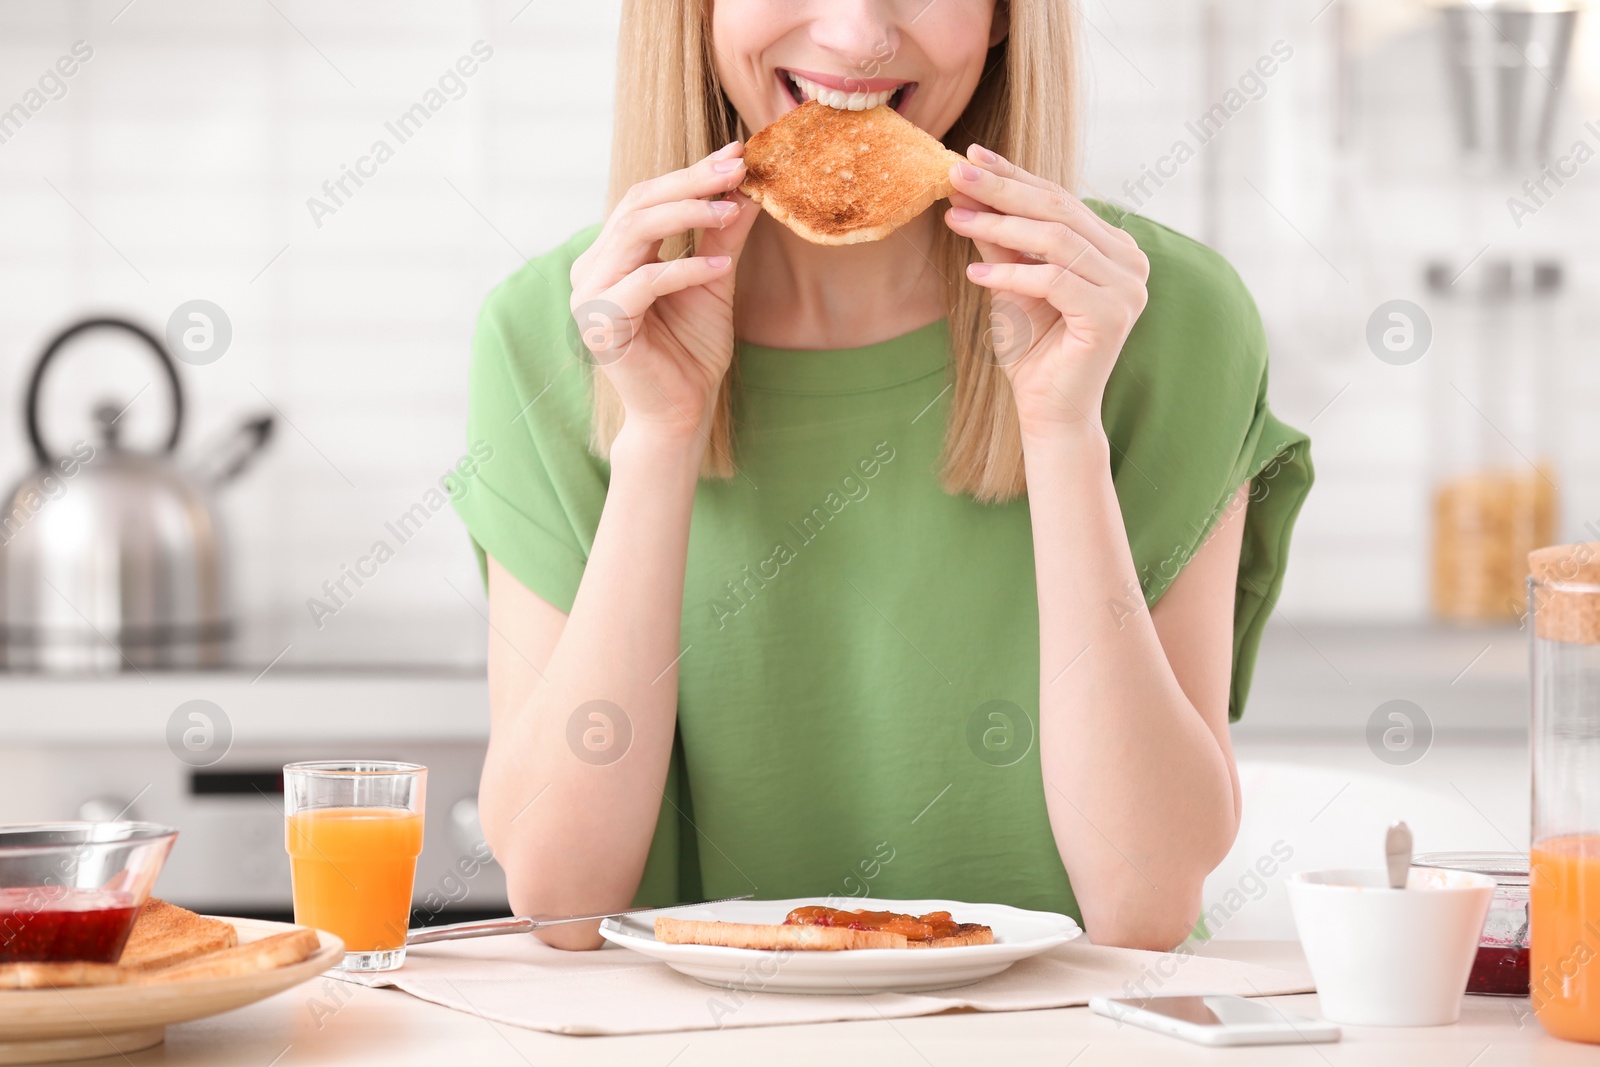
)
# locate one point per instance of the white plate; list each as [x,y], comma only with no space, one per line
[1018,934]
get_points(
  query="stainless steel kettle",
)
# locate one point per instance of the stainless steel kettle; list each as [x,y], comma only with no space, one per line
[111,559]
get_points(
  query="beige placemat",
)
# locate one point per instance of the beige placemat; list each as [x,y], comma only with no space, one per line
[521,981]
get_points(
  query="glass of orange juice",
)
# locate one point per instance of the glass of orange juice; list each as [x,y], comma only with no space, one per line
[354,831]
[1564,863]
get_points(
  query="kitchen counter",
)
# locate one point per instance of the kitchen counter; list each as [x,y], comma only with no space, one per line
[1326,678]
[344,704]
[406,679]
[390,1028]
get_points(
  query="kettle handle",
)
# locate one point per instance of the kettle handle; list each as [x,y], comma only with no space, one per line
[31,404]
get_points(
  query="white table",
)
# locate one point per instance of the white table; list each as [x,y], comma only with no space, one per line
[394,1029]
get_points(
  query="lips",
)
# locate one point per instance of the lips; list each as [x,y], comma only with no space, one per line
[845,93]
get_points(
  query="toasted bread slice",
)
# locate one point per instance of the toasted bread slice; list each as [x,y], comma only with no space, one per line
[165,934]
[269,953]
[764,936]
[845,177]
[58,975]
[966,934]
[169,943]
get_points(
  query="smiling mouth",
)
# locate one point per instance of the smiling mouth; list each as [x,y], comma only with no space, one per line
[803,89]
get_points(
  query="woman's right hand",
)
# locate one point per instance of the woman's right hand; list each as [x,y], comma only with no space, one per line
[662,332]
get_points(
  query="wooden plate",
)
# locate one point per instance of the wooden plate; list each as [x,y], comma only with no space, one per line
[47,1025]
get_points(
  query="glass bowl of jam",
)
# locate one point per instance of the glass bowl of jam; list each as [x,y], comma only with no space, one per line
[71,890]
[1501,966]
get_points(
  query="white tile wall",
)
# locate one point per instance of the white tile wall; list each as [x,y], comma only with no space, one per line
[179,161]
[1326,235]
[190,142]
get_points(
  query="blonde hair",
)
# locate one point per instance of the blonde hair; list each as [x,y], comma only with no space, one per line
[671,111]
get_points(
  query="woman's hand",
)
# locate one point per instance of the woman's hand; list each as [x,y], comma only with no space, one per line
[1066,288]
[662,332]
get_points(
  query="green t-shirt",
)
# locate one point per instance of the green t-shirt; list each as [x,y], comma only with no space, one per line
[858,704]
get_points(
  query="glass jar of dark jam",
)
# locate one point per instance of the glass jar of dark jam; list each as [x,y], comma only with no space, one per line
[1501,966]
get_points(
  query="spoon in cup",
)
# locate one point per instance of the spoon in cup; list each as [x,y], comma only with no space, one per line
[1397,851]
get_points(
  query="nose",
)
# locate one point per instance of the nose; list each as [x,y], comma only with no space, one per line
[864,34]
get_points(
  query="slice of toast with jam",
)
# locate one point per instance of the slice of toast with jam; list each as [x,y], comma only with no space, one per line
[823,929]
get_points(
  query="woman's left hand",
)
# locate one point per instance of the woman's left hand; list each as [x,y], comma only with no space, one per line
[1066,288]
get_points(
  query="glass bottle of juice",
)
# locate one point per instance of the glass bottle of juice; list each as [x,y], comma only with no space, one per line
[1564,865]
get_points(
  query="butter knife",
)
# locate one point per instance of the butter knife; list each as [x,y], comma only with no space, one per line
[425,935]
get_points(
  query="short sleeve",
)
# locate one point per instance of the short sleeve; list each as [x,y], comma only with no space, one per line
[1186,413]
[537,494]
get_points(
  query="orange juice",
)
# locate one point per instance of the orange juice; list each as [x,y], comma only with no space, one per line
[1564,960]
[352,870]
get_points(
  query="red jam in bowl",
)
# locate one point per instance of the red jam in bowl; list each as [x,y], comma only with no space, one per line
[56,923]
[1500,969]
[1501,966]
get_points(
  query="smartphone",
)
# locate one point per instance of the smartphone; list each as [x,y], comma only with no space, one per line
[1216,1020]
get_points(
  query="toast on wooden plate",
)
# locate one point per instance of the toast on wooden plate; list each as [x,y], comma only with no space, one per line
[269,953]
[845,177]
[57,975]
[165,934]
[170,944]
[816,928]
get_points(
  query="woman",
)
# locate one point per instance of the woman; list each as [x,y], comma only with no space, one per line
[931,567]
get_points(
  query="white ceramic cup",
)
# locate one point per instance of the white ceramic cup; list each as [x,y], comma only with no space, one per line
[1390,957]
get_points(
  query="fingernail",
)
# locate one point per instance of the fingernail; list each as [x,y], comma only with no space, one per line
[724,207]
[969,172]
[978,270]
[984,155]
[727,166]
[963,214]
[724,150]
[719,262]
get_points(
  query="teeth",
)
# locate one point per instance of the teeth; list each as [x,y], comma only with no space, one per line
[838,98]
